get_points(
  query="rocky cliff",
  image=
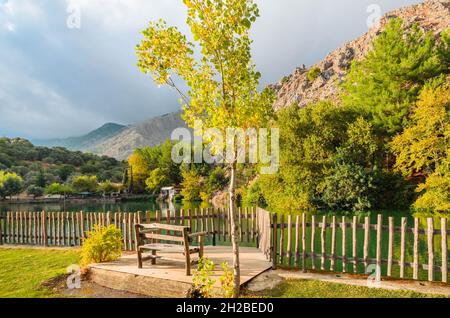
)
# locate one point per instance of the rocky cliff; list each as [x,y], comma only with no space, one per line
[431,15]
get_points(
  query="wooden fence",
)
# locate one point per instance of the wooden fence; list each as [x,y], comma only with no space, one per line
[310,243]
[71,228]
[302,241]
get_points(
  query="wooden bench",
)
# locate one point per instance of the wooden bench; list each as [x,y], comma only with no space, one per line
[177,239]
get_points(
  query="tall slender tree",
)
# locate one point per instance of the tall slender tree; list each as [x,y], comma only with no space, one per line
[221,78]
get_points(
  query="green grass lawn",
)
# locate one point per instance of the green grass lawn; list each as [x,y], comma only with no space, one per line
[22,271]
[317,289]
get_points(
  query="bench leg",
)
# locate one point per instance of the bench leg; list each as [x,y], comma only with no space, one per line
[153,259]
[188,264]
[139,257]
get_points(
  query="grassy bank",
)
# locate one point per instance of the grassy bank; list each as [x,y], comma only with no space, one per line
[317,289]
[22,271]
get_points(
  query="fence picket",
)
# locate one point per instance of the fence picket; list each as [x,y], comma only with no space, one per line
[390,247]
[344,244]
[323,239]
[282,240]
[333,244]
[289,240]
[444,249]
[403,248]
[416,249]
[366,243]
[430,222]
[378,251]
[297,240]
[313,242]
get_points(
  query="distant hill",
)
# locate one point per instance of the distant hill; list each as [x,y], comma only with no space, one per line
[151,132]
[86,142]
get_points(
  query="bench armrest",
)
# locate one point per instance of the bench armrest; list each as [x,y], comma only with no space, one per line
[197,234]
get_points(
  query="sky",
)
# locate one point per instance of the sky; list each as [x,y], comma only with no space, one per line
[69,66]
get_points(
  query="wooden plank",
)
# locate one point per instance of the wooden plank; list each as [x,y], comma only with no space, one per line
[378,250]
[2,225]
[344,244]
[125,232]
[247,225]
[390,246]
[219,227]
[202,225]
[274,241]
[72,228]
[444,250]
[282,253]
[297,240]
[403,247]
[430,236]
[28,227]
[366,242]
[253,224]
[226,220]
[64,228]
[189,219]
[208,220]
[8,227]
[21,237]
[313,242]
[44,228]
[195,221]
[158,220]
[17,227]
[58,229]
[416,249]
[355,244]
[133,234]
[38,228]
[323,239]
[333,244]
[304,242]
[241,236]
[130,236]
[289,240]
[69,236]
[164,237]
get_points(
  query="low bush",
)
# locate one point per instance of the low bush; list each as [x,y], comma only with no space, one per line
[104,244]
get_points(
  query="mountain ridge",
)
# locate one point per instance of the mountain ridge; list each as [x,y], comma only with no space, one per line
[296,88]
[83,142]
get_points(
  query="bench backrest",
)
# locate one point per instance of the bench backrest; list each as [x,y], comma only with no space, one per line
[153,232]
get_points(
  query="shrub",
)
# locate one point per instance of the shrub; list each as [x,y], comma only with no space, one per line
[104,244]
[227,281]
[203,284]
[313,74]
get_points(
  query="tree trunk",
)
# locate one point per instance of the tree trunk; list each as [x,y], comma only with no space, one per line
[234,232]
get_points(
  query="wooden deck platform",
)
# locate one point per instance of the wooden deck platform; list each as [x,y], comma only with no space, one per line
[167,278]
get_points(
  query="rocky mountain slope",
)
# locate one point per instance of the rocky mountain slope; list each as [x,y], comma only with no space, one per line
[85,142]
[147,133]
[431,15]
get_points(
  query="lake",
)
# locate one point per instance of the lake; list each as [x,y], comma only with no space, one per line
[126,206]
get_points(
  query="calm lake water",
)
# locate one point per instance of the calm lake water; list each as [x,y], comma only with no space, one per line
[128,206]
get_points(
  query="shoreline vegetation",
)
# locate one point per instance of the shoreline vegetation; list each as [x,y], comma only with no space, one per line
[99,199]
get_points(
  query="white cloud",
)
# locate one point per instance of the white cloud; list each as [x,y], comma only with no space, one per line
[10,27]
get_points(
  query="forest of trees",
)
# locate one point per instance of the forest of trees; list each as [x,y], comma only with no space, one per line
[40,170]
[385,145]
